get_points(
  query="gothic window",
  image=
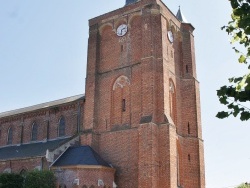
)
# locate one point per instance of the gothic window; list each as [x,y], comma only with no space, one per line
[172,100]
[34,132]
[23,172]
[47,129]
[120,106]
[10,136]
[61,128]
[121,82]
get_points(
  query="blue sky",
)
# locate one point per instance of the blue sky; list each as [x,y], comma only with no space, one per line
[43,55]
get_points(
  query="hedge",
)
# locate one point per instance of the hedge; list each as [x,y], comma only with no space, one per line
[40,179]
[33,179]
[11,180]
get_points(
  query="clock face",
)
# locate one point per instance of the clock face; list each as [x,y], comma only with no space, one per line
[170,36]
[122,30]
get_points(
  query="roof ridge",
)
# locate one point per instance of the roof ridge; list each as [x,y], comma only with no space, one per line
[41,105]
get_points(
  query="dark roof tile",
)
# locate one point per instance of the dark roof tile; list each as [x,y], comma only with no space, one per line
[30,150]
[80,155]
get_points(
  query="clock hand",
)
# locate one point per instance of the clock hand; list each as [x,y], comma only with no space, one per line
[123,29]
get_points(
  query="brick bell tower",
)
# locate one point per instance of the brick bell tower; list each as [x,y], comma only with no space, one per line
[142,109]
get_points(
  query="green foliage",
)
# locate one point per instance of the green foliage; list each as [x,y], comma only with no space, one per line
[40,179]
[11,180]
[238,93]
[244,185]
[33,179]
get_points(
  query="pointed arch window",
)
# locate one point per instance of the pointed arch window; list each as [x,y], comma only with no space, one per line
[23,172]
[61,128]
[34,132]
[10,136]
[120,101]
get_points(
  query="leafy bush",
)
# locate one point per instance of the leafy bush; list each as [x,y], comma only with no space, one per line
[11,180]
[40,179]
[33,179]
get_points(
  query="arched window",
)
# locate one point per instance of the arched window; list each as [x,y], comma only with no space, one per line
[172,100]
[23,172]
[34,132]
[61,128]
[10,136]
[84,186]
[120,105]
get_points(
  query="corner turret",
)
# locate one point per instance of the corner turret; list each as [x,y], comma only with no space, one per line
[180,16]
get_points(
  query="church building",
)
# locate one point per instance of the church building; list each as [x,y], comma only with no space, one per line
[138,125]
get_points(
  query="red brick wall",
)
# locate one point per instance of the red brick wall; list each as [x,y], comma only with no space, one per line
[87,176]
[145,155]
[147,145]
[16,165]
[42,118]
[22,125]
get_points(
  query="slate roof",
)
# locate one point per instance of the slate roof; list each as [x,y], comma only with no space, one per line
[42,106]
[79,155]
[180,16]
[30,150]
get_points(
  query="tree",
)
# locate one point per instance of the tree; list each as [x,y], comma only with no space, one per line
[236,96]
[244,185]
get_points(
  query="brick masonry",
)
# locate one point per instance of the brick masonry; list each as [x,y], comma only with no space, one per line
[156,141]
[141,111]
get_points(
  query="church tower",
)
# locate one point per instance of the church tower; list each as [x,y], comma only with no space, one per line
[142,108]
